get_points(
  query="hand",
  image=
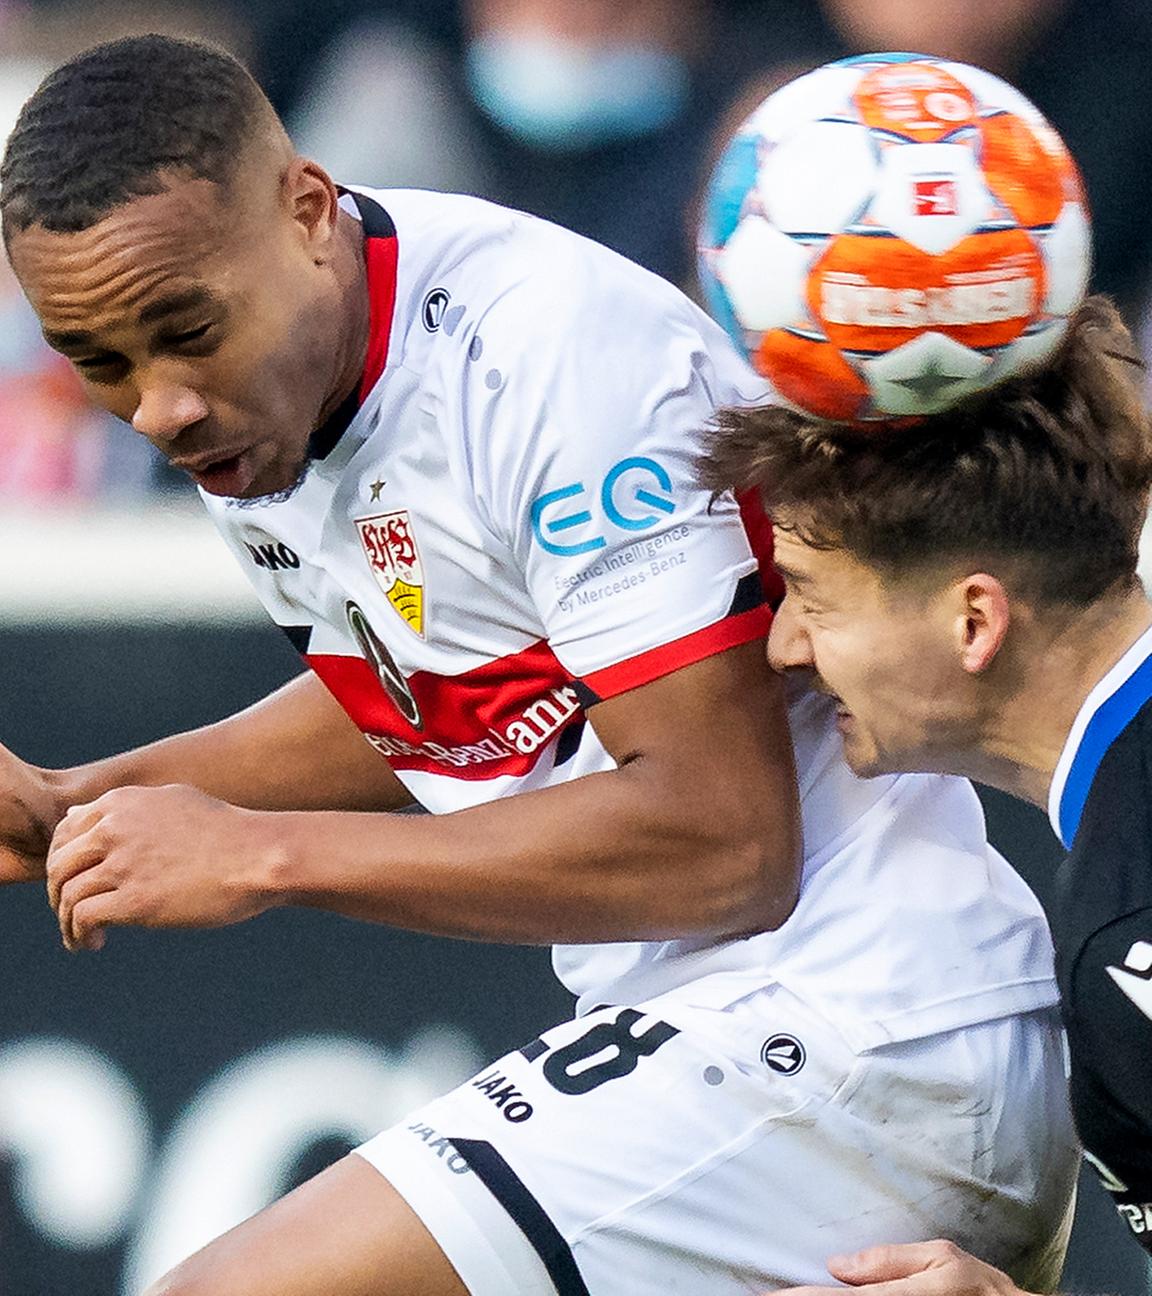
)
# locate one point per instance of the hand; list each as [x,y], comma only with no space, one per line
[155,857]
[914,1269]
[29,812]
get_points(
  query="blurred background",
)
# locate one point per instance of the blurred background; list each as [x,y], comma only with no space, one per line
[154,1095]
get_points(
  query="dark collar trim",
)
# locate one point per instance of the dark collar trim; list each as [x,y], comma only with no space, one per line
[1111,718]
[380,257]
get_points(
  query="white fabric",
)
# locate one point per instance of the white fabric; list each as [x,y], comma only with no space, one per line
[557,384]
[908,924]
[705,1172]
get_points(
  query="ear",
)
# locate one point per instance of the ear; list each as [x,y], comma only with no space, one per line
[309,195]
[982,619]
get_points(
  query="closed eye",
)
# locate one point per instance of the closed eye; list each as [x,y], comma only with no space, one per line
[189,335]
[97,361]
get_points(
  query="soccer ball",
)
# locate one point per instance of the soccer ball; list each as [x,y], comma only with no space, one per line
[891,233]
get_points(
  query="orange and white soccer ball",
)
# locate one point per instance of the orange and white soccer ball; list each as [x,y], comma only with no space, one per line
[891,233]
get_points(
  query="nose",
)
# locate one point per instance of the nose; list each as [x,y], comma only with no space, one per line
[789,646]
[164,410]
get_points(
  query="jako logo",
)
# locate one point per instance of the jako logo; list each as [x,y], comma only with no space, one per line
[784,1054]
[272,556]
[432,311]
[500,1090]
[627,500]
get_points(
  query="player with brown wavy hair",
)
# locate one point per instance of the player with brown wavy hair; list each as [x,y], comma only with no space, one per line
[966,589]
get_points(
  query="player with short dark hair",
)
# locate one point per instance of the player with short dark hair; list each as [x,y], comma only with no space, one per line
[106,129]
[454,449]
[966,589]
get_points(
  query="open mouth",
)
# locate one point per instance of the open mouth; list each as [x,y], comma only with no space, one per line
[228,476]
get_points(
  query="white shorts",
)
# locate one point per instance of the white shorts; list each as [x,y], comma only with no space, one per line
[687,1150]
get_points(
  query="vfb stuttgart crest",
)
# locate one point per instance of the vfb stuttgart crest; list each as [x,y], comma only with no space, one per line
[395,561]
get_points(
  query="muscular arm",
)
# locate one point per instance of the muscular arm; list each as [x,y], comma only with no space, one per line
[295,750]
[696,833]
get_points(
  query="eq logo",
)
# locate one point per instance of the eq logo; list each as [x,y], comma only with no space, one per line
[635,495]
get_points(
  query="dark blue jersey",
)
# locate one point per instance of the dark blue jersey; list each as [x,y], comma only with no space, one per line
[1101,805]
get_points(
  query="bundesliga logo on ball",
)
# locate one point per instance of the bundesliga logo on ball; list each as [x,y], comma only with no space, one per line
[891,233]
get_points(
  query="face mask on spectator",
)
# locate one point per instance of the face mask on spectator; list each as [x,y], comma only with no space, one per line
[556,94]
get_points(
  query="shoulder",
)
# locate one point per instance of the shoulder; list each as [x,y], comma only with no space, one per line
[1108,872]
[553,296]
[546,359]
[1108,1012]
[1107,993]
[1102,910]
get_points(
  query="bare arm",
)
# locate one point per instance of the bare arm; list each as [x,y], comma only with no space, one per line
[295,750]
[696,833]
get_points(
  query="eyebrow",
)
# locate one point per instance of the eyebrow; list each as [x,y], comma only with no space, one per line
[61,341]
[176,303]
[791,575]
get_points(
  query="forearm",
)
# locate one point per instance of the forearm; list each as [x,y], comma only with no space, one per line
[695,832]
[611,857]
[295,750]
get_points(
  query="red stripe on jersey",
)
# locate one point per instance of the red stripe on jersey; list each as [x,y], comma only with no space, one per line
[380,256]
[497,719]
[758,528]
[733,631]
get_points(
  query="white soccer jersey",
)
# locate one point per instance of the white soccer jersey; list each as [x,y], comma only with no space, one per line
[503,527]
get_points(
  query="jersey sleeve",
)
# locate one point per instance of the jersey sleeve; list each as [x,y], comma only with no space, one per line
[1110,1034]
[586,471]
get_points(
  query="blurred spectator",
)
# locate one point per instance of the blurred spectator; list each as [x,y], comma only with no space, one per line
[591,113]
[290,37]
[598,113]
[49,442]
[994,34]
[563,76]
[385,108]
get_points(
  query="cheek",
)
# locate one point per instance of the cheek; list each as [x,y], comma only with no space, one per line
[118,399]
[251,372]
[855,666]
[287,348]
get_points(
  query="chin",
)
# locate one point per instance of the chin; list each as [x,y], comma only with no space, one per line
[865,769]
[864,762]
[275,488]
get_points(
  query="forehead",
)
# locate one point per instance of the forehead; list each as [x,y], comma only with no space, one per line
[795,557]
[829,570]
[158,246]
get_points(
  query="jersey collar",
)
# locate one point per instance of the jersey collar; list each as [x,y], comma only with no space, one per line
[380,254]
[1106,713]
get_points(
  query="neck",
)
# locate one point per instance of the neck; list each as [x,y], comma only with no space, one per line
[1053,673]
[353,315]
